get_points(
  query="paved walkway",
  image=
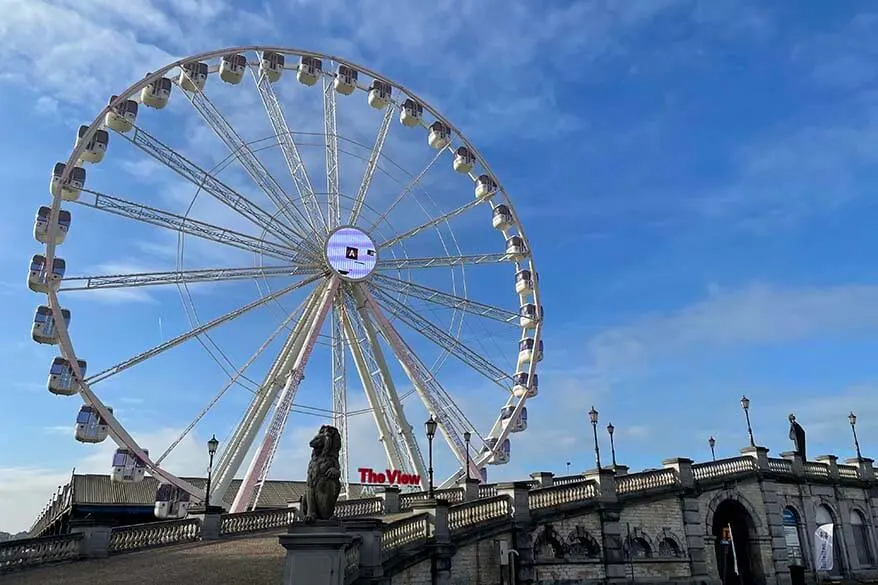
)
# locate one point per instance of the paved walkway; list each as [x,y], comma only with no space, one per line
[244,561]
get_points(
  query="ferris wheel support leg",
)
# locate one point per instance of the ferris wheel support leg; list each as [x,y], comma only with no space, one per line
[340,388]
[379,413]
[259,466]
[253,419]
[405,429]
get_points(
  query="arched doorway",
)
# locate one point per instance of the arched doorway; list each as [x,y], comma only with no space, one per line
[736,545]
[825,515]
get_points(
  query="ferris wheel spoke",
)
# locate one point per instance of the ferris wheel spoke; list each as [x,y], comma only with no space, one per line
[242,438]
[445,299]
[331,139]
[427,225]
[209,184]
[248,160]
[137,279]
[196,331]
[288,147]
[448,342]
[372,163]
[377,374]
[450,419]
[232,381]
[257,472]
[408,188]
[339,387]
[192,227]
[441,261]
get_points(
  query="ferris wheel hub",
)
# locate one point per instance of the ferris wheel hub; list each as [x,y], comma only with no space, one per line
[350,253]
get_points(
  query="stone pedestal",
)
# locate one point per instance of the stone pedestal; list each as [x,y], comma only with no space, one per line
[95,539]
[210,526]
[316,553]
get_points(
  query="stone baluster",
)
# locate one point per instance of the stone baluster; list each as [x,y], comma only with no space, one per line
[369,530]
[831,461]
[390,495]
[471,489]
[522,540]
[759,454]
[544,479]
[865,468]
[683,467]
[796,461]
[442,549]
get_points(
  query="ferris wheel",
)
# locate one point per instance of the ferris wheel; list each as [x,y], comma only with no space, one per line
[372,257]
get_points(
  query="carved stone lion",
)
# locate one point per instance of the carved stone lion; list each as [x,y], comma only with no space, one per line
[322,485]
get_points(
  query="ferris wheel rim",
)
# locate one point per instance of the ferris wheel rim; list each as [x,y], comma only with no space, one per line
[65,343]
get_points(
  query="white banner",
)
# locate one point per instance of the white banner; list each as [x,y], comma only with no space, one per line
[823,548]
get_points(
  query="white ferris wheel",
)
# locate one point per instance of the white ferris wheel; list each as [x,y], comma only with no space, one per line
[321,229]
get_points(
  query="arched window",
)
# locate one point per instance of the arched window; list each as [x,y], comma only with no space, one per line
[862,542]
[792,531]
[668,548]
[825,516]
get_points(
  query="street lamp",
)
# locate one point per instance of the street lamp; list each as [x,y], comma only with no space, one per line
[745,404]
[852,418]
[712,442]
[568,468]
[593,416]
[466,438]
[212,445]
[610,430]
[430,425]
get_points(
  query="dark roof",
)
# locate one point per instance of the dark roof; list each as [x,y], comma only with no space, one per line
[101,490]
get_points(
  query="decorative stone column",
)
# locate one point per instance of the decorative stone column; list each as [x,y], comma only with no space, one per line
[544,479]
[693,528]
[760,454]
[95,542]
[830,461]
[316,553]
[390,495]
[796,462]
[522,538]
[611,528]
[471,489]
[865,467]
[369,531]
[443,550]
[210,526]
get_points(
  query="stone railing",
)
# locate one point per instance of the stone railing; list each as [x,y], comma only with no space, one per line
[848,472]
[465,515]
[357,508]
[814,469]
[452,495]
[782,466]
[569,479]
[723,467]
[403,532]
[645,481]
[256,521]
[352,562]
[142,536]
[32,552]
[563,494]
[487,490]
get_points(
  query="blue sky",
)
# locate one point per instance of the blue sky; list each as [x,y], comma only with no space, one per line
[695,178]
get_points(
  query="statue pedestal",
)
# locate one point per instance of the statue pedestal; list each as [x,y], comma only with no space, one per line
[316,553]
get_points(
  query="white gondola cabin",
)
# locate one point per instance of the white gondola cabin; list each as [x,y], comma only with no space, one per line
[526,351]
[70,190]
[346,80]
[232,68]
[171,502]
[193,76]
[520,385]
[529,316]
[95,146]
[42,224]
[271,65]
[524,282]
[464,160]
[411,113]
[440,135]
[515,247]
[127,467]
[519,423]
[122,117]
[157,93]
[501,455]
[44,329]
[38,278]
[485,186]
[91,426]
[501,218]
[309,71]
[379,94]
[62,380]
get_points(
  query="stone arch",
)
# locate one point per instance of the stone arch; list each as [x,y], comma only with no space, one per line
[668,536]
[838,551]
[581,543]
[547,545]
[735,529]
[638,534]
[724,495]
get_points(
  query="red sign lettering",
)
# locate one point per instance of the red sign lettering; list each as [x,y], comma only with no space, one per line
[388,476]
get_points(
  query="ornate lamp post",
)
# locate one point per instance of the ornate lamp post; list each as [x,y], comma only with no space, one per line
[568,468]
[212,446]
[593,416]
[430,425]
[611,429]
[745,404]
[712,442]
[466,439]
[852,418]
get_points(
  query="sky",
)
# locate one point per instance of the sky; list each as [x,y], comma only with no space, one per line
[695,178]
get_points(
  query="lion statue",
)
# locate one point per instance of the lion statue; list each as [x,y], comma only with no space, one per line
[322,486]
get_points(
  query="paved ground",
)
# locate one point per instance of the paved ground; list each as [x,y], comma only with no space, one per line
[245,561]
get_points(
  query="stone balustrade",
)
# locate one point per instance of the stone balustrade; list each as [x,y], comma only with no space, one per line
[466,515]
[395,535]
[645,481]
[256,521]
[549,497]
[352,562]
[31,552]
[723,468]
[142,536]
